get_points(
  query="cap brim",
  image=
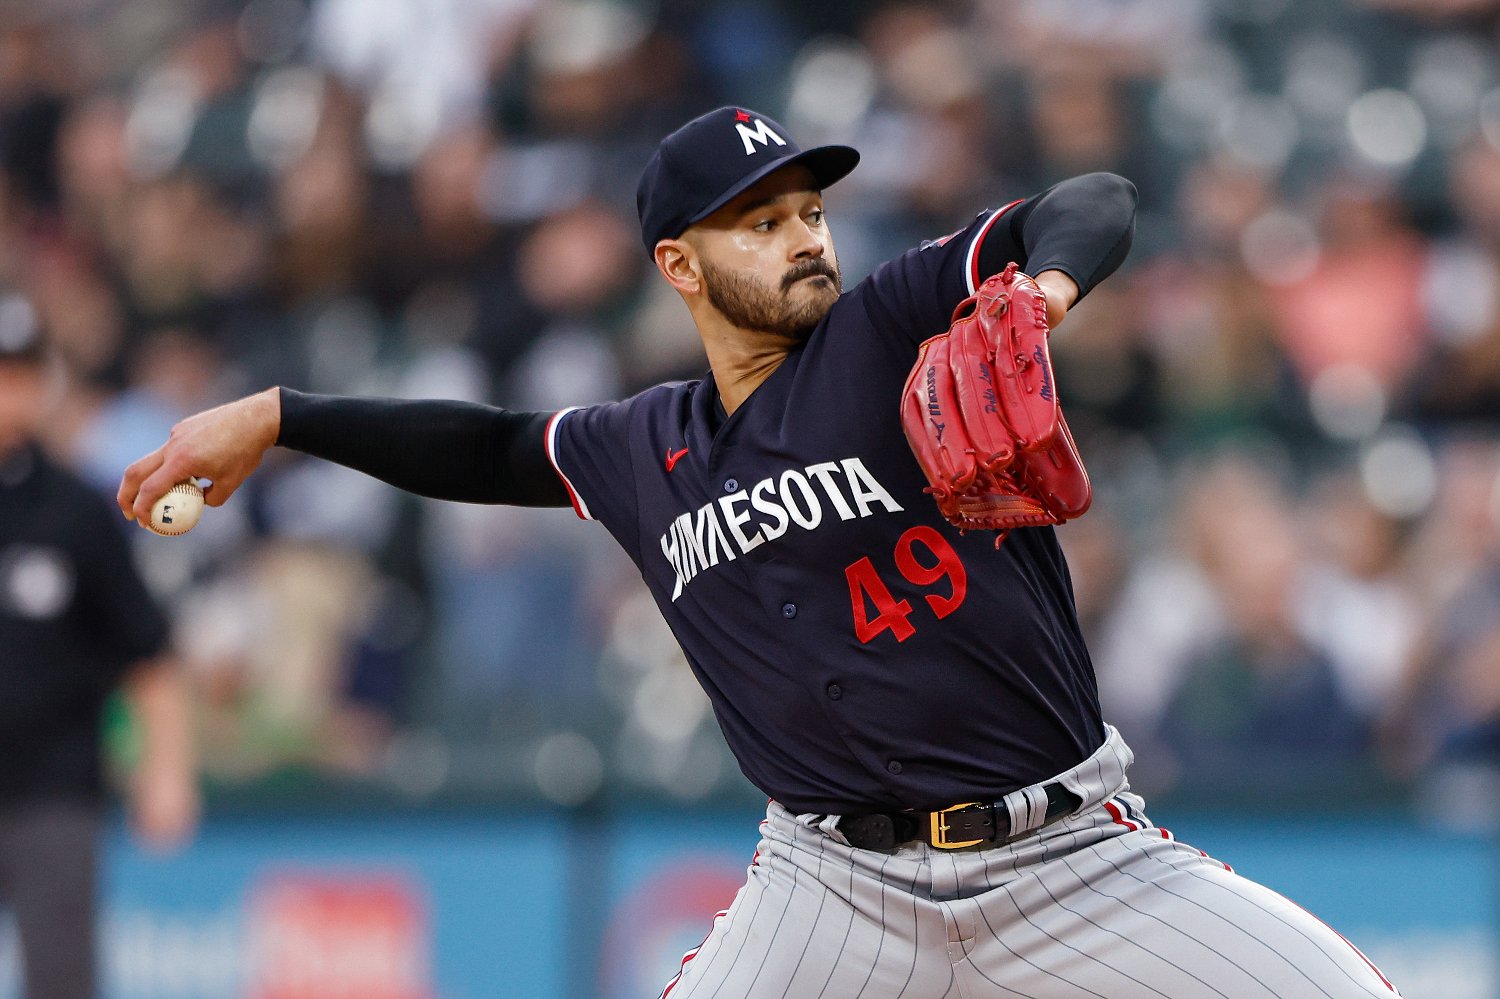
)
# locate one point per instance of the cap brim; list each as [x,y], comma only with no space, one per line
[828,165]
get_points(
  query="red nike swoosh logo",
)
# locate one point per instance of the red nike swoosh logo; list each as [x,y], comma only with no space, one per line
[672,458]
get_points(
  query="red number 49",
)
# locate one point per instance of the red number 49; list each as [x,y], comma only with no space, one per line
[865,585]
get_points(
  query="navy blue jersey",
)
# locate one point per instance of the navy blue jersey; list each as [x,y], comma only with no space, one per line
[859,652]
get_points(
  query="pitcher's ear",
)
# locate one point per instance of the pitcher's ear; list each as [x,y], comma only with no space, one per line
[677,261]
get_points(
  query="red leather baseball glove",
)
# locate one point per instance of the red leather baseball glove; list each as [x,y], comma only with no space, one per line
[980,412]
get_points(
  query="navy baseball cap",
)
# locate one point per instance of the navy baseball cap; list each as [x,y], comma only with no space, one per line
[700,167]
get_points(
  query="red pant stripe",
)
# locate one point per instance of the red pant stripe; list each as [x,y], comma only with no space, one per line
[692,954]
[1114,813]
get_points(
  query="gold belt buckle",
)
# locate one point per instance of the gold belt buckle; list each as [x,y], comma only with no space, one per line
[940,828]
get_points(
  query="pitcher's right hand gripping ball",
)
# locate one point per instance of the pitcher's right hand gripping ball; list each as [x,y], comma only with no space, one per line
[980,413]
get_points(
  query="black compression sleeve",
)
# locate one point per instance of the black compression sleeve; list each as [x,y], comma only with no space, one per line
[447,450]
[1082,227]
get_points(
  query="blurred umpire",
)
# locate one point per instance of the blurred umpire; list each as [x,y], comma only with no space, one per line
[76,623]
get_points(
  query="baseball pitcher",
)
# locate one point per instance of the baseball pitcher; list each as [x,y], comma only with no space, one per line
[847,524]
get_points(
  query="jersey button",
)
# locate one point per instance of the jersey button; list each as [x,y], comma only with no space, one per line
[894,766]
[730,485]
[788,611]
[835,691]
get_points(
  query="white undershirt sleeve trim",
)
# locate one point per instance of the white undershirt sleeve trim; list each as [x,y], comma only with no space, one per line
[579,506]
[972,278]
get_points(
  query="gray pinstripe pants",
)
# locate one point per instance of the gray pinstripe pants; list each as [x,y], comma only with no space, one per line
[1099,904]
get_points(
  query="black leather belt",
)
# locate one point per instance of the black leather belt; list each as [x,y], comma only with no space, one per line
[954,828]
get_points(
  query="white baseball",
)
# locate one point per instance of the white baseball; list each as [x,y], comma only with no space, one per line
[178,511]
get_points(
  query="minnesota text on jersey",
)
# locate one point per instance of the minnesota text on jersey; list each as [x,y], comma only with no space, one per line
[696,538]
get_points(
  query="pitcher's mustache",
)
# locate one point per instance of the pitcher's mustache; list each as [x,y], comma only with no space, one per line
[810,268]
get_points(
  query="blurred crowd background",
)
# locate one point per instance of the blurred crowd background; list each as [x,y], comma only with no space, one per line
[1289,397]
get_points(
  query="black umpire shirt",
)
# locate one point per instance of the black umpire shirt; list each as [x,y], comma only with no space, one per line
[74,615]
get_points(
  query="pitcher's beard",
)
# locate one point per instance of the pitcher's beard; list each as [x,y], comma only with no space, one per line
[749,304]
